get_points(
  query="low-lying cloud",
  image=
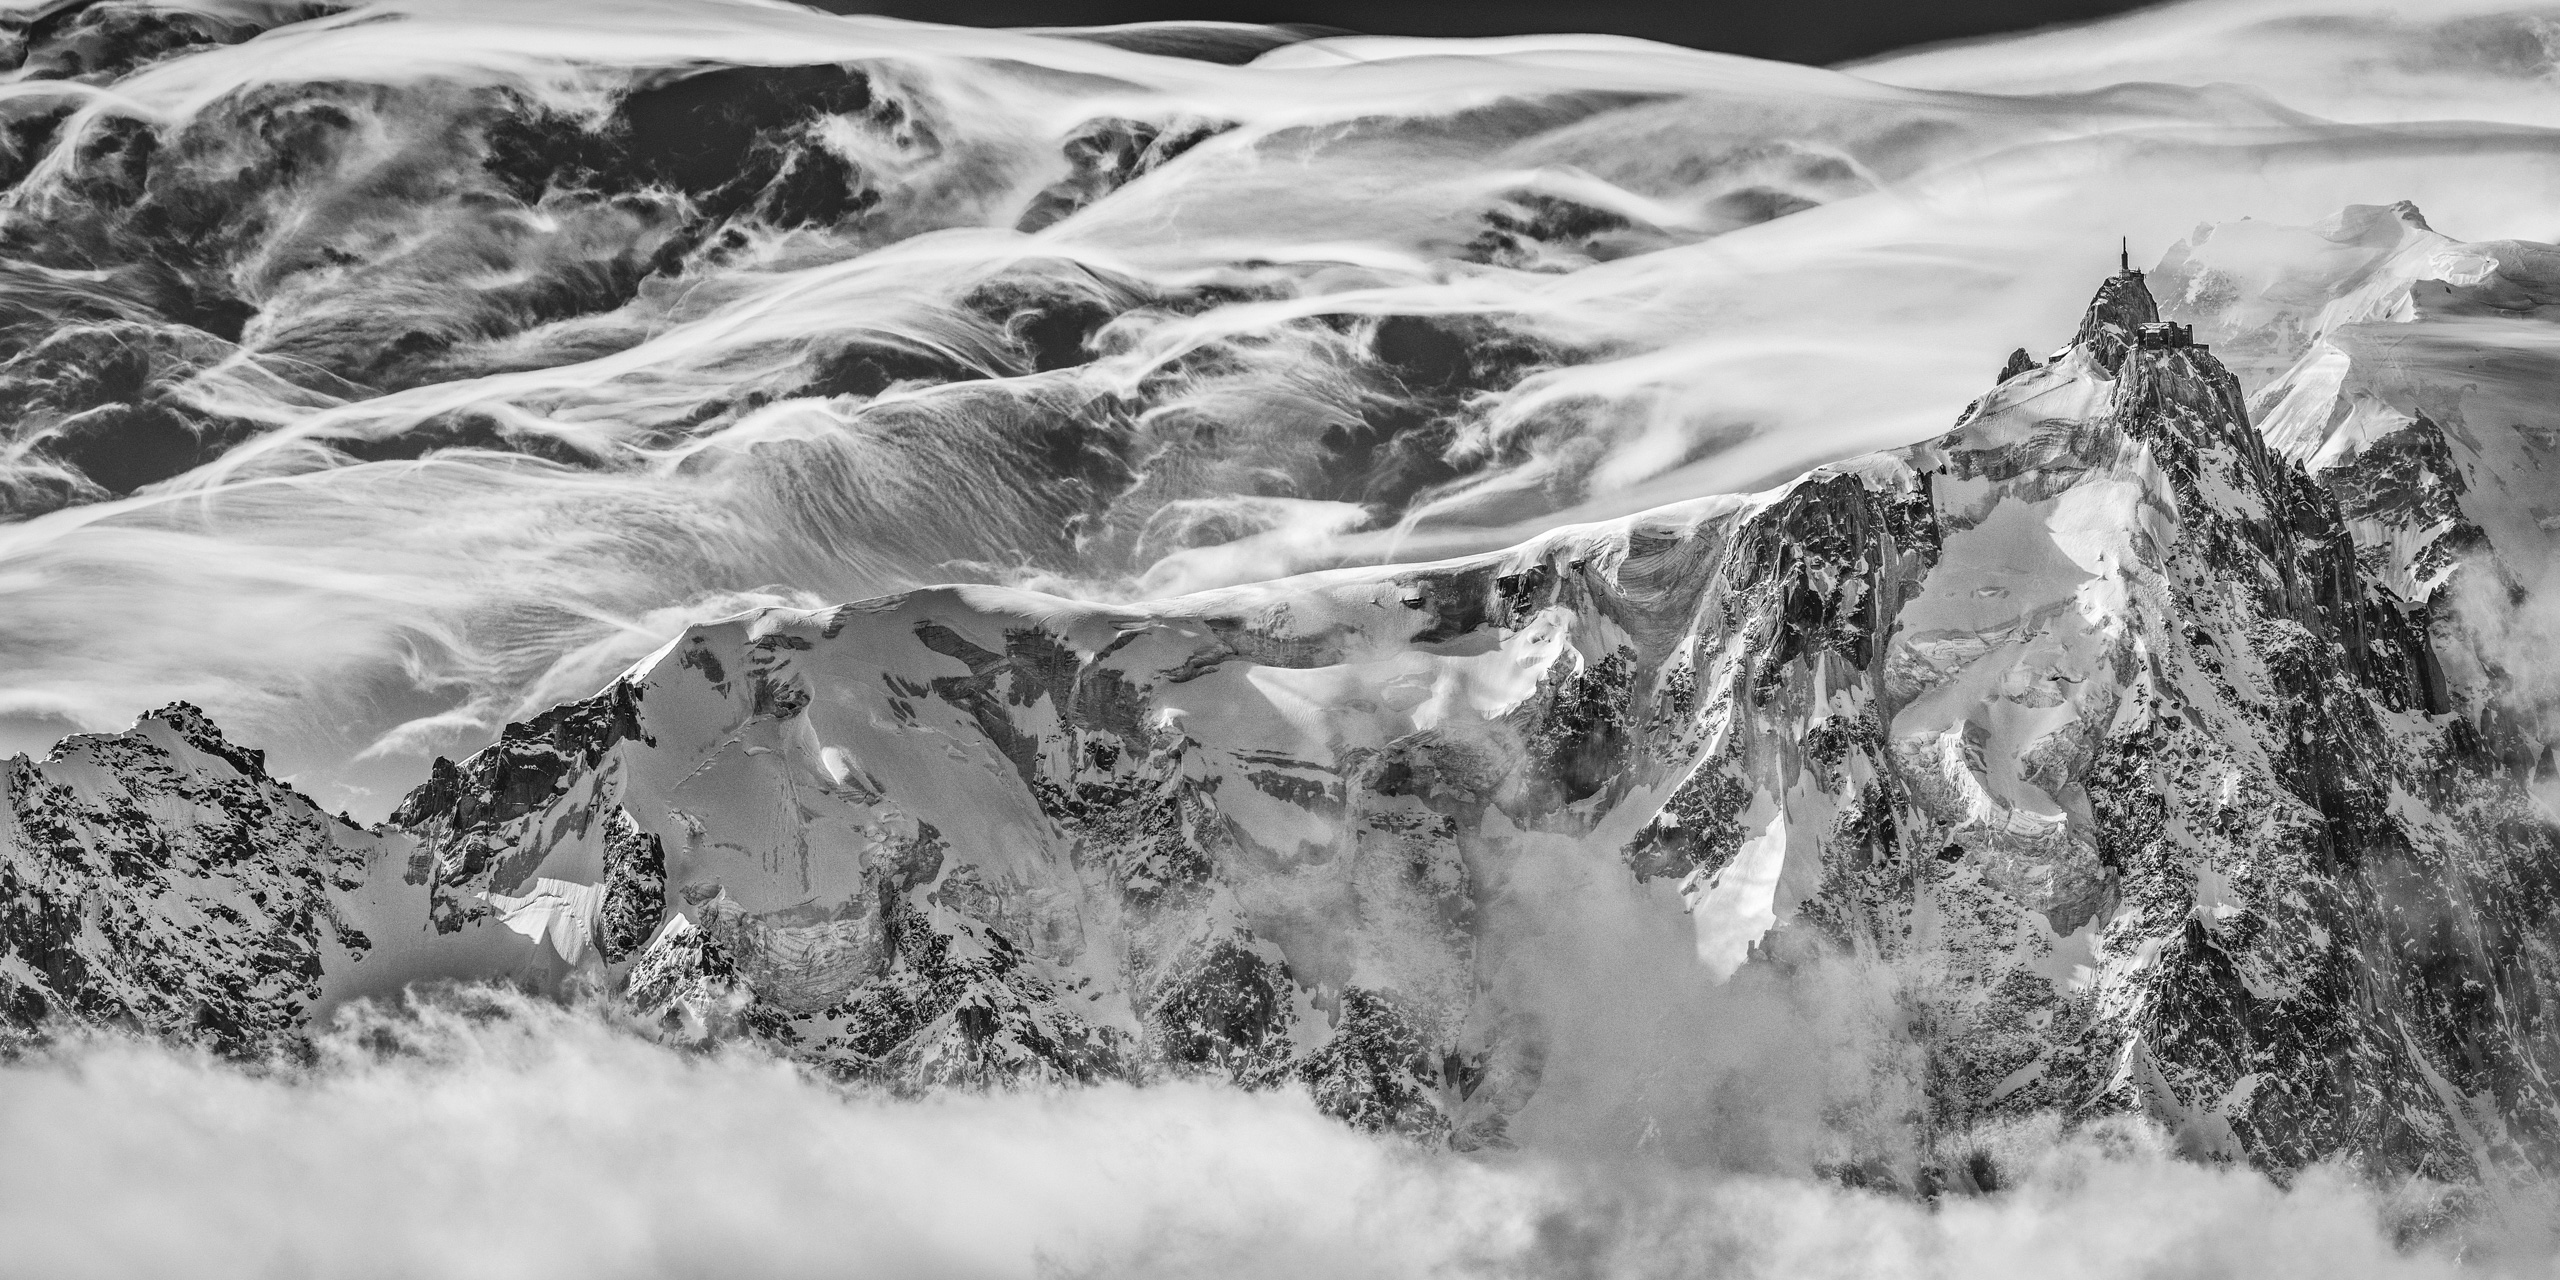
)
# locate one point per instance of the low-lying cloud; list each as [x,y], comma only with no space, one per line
[481,1134]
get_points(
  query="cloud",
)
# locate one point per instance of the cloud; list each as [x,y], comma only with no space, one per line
[2352,60]
[481,1134]
[355,616]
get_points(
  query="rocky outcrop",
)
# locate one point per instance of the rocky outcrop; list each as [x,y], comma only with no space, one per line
[2409,372]
[159,879]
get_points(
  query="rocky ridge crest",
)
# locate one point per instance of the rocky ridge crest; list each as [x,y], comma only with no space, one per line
[2088,726]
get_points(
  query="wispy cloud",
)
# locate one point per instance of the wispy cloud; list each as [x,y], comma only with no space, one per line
[1951,206]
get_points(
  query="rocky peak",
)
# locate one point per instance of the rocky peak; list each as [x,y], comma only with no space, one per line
[457,813]
[2228,698]
[159,878]
[2110,327]
[185,726]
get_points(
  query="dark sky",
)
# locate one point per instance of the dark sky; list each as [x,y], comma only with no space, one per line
[1815,31]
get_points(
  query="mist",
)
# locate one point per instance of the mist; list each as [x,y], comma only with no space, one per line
[481,1133]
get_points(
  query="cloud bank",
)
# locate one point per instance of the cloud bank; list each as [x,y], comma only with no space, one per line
[484,1135]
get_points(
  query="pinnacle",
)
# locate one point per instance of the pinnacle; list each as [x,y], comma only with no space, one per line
[199,730]
[2113,322]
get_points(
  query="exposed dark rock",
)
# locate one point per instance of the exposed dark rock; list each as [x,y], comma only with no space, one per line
[459,813]
[635,888]
[2107,331]
[157,879]
[1228,1012]
[1376,1072]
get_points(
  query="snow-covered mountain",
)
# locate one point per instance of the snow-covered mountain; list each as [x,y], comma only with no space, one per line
[2409,369]
[2083,719]
[158,879]
[2172,738]
[2091,729]
[159,876]
[2411,373]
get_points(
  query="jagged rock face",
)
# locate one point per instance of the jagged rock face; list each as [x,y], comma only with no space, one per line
[2083,722]
[2410,372]
[2107,330]
[2410,366]
[159,878]
[457,810]
[2274,794]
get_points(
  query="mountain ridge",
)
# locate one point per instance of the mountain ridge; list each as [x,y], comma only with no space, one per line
[2082,725]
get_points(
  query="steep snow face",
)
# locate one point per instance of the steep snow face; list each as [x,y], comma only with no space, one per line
[2080,725]
[2263,293]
